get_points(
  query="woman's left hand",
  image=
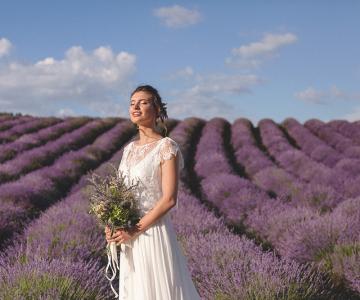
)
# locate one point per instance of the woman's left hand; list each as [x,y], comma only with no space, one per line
[122,236]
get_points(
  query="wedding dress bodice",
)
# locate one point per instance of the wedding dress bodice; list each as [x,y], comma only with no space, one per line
[141,163]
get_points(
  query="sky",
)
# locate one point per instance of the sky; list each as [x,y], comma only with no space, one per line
[230,59]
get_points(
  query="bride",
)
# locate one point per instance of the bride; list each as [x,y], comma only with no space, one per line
[153,266]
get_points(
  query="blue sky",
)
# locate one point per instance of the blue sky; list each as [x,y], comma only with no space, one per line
[252,59]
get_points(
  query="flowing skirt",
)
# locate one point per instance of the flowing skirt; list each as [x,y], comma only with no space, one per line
[155,268]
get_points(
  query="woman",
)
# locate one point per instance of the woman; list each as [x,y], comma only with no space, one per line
[153,266]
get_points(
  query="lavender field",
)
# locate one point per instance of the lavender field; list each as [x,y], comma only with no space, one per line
[266,211]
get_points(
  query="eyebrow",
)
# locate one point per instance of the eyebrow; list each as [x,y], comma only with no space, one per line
[140,99]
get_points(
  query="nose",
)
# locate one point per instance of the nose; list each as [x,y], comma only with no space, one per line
[133,108]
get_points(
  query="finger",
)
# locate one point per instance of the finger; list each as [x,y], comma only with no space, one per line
[115,239]
[117,234]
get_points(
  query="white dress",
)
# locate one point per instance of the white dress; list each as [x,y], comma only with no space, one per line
[154,266]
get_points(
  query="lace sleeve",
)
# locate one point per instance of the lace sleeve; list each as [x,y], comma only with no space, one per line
[169,149]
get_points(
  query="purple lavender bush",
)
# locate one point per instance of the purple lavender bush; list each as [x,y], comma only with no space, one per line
[31,126]
[55,279]
[45,155]
[32,140]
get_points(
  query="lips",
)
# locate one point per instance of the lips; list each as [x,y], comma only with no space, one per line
[136,114]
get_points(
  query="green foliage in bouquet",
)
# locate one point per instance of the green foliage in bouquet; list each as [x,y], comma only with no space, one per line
[112,201]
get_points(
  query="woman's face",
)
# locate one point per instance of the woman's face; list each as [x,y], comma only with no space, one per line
[142,110]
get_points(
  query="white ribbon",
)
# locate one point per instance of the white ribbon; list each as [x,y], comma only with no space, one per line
[114,262]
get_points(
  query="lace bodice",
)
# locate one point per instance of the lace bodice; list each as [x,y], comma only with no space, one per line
[141,163]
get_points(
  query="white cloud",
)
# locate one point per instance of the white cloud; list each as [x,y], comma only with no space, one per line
[177,16]
[253,54]
[185,73]
[95,80]
[312,95]
[207,97]
[5,47]
[223,83]
[269,43]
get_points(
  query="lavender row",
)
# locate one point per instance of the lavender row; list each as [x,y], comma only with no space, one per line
[38,190]
[12,134]
[246,148]
[32,140]
[262,170]
[348,168]
[7,124]
[346,164]
[293,160]
[232,195]
[57,279]
[7,117]
[12,218]
[347,129]
[311,144]
[350,163]
[45,155]
[276,181]
[336,140]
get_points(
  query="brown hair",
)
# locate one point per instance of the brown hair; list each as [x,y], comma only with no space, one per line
[157,101]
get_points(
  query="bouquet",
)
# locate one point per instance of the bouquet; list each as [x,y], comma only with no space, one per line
[113,203]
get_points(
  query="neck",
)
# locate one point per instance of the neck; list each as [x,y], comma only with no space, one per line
[148,134]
